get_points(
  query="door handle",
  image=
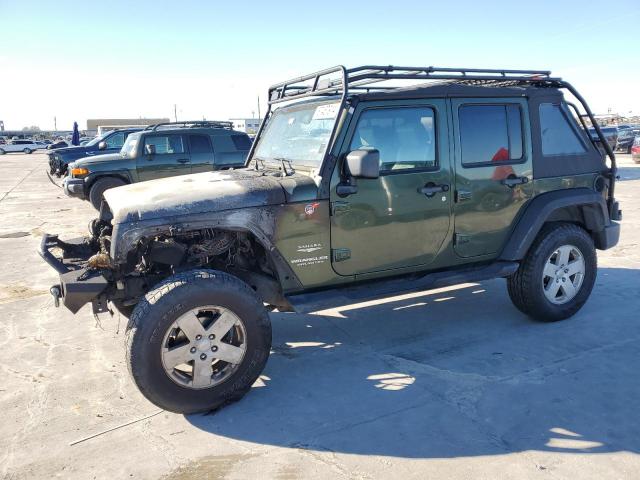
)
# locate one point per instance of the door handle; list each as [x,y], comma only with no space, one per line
[183,160]
[430,189]
[512,180]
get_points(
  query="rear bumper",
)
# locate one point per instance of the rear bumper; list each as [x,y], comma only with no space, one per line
[74,187]
[78,285]
[608,237]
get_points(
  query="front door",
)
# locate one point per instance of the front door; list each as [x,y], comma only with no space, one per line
[170,158]
[402,218]
[493,171]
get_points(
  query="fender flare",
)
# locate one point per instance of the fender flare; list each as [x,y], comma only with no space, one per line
[93,178]
[552,206]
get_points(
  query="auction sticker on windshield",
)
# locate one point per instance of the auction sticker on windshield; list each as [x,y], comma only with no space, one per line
[326,112]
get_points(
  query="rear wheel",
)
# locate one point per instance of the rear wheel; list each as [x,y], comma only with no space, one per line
[2,152]
[556,277]
[27,150]
[198,341]
[100,186]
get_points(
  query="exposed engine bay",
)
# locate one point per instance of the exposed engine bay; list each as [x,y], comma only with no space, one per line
[154,258]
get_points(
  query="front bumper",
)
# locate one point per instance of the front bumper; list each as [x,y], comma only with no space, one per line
[78,285]
[74,187]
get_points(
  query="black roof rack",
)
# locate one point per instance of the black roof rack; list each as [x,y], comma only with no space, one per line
[340,80]
[193,124]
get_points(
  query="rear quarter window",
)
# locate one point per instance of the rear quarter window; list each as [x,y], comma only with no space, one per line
[241,142]
[559,134]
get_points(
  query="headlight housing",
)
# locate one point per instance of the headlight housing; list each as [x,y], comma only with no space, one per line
[79,172]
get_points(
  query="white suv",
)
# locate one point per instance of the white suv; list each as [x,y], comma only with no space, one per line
[26,146]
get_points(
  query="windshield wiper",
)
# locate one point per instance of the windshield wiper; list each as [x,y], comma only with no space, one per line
[284,162]
[258,159]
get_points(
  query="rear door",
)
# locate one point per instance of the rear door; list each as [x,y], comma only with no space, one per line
[171,157]
[400,219]
[201,153]
[494,173]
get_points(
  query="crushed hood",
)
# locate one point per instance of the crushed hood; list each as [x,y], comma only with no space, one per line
[72,149]
[193,194]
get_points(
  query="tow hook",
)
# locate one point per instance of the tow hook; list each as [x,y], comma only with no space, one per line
[57,294]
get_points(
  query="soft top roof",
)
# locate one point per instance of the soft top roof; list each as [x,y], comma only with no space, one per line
[457,90]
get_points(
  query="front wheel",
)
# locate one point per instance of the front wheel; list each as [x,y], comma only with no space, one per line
[100,186]
[556,277]
[2,152]
[198,341]
[27,150]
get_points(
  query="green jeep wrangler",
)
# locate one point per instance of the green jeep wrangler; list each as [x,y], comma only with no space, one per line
[357,187]
[162,150]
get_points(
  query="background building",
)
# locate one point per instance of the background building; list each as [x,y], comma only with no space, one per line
[247,125]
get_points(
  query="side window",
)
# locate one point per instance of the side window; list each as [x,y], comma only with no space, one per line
[490,134]
[223,143]
[165,144]
[404,136]
[241,142]
[559,135]
[199,144]
[116,140]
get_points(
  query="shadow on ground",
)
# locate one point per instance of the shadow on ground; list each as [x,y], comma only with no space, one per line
[456,372]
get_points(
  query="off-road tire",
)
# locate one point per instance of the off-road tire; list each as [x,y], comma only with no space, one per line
[525,285]
[27,151]
[155,314]
[100,186]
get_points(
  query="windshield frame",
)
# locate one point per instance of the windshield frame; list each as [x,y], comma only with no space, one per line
[318,166]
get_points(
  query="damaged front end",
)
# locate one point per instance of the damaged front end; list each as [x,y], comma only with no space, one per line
[80,282]
[88,273]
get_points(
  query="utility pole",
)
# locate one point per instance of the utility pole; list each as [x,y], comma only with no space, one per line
[55,124]
[258,107]
[175,112]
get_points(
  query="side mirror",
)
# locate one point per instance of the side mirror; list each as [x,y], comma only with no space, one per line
[150,149]
[102,145]
[363,163]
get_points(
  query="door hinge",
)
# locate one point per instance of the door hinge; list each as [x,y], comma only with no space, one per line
[460,239]
[339,207]
[340,254]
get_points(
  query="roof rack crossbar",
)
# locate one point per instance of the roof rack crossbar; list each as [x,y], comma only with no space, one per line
[321,84]
[193,124]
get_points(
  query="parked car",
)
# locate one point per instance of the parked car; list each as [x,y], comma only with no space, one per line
[163,150]
[57,144]
[349,195]
[610,133]
[25,146]
[635,149]
[110,142]
[625,139]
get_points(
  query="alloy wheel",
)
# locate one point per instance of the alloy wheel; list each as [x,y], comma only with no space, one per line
[204,347]
[563,274]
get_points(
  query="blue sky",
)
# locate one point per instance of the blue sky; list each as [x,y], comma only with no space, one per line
[79,60]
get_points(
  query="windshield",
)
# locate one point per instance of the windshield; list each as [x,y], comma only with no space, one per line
[96,140]
[130,145]
[298,133]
